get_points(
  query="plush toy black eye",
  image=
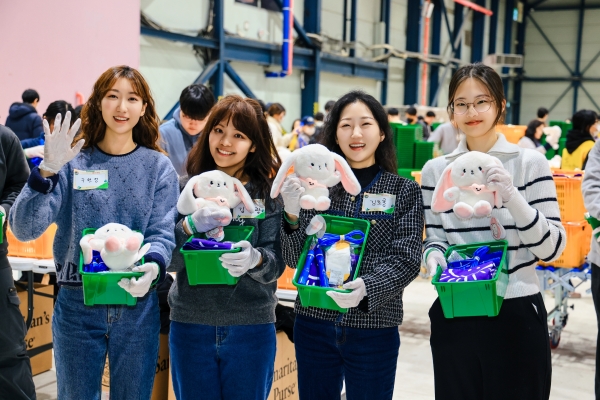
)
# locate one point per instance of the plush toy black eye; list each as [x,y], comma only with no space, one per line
[312,164]
[211,182]
[325,165]
[464,171]
[481,169]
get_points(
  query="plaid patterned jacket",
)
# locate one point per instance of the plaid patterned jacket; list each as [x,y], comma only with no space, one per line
[391,259]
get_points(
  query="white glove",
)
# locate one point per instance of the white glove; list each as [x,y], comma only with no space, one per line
[553,134]
[239,263]
[207,219]
[3,216]
[500,180]
[291,191]
[317,225]
[349,300]
[57,148]
[433,258]
[33,152]
[138,287]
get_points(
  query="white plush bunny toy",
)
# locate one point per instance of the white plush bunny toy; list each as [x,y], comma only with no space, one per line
[553,134]
[318,169]
[462,187]
[118,245]
[214,189]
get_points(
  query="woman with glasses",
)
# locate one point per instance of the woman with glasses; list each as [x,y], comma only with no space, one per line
[580,140]
[507,356]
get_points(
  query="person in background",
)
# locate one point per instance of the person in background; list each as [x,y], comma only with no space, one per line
[429,119]
[295,125]
[319,121]
[412,119]
[447,136]
[34,147]
[275,115]
[533,134]
[394,116]
[179,134]
[23,118]
[306,132]
[328,107]
[580,140]
[15,368]
[542,115]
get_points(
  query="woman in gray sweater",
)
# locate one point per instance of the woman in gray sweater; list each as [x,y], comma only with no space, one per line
[222,339]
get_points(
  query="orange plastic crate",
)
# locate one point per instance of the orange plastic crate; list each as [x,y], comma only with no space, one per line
[285,280]
[513,133]
[579,235]
[417,176]
[38,248]
[568,194]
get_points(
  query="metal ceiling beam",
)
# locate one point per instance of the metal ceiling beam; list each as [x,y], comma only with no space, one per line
[567,8]
[577,72]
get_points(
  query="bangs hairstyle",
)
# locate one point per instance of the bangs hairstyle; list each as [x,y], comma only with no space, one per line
[488,77]
[247,116]
[93,127]
[385,155]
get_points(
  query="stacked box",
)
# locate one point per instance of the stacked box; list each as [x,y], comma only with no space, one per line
[411,151]
[423,153]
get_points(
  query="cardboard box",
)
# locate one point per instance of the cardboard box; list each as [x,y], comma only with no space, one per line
[285,374]
[39,336]
[161,379]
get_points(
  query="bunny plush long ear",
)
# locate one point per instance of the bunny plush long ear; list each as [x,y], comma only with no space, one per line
[186,204]
[438,202]
[242,193]
[497,197]
[288,163]
[349,181]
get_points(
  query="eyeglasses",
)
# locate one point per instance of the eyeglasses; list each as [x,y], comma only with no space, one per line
[481,105]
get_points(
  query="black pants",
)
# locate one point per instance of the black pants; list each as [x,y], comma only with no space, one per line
[499,358]
[596,298]
[15,369]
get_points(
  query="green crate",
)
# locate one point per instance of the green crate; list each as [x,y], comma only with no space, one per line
[423,153]
[473,298]
[565,127]
[103,287]
[404,138]
[203,266]
[407,173]
[434,125]
[315,296]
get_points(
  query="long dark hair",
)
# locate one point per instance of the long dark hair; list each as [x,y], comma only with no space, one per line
[93,127]
[260,166]
[488,77]
[531,128]
[385,155]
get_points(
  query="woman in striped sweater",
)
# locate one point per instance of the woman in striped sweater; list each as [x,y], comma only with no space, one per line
[508,356]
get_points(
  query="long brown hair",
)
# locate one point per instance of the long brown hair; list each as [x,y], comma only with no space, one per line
[93,127]
[246,115]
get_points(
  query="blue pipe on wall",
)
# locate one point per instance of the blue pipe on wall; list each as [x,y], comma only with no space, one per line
[287,48]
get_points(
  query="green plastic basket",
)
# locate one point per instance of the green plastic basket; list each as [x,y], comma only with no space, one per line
[407,173]
[103,287]
[404,138]
[203,266]
[315,296]
[474,298]
[423,153]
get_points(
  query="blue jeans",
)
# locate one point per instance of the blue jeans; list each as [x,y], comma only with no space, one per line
[328,354]
[84,335]
[222,362]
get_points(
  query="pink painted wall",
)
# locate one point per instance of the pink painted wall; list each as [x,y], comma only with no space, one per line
[61,47]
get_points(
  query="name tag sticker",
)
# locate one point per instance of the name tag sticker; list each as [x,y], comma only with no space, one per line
[258,212]
[384,202]
[88,180]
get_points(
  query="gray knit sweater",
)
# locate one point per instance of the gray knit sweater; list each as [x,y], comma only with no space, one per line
[252,301]
[531,219]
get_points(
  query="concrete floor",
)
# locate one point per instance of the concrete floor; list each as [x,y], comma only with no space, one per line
[573,361]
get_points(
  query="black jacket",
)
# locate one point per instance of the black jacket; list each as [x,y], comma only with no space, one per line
[13,174]
[24,121]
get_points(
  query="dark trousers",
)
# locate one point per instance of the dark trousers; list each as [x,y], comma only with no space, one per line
[596,298]
[15,369]
[499,358]
[328,353]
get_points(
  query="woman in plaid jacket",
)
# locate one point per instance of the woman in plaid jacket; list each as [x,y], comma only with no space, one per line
[362,345]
